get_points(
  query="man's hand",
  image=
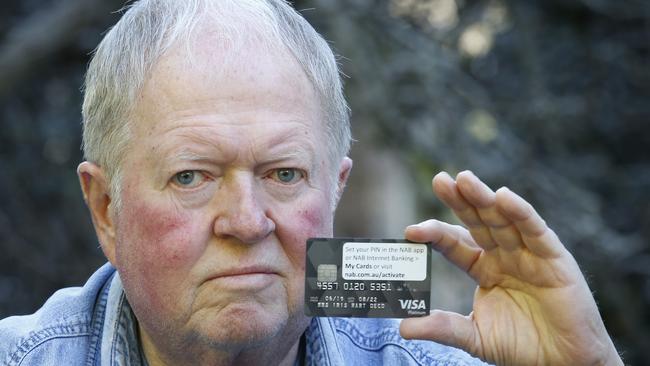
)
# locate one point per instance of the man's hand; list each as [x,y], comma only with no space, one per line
[532,305]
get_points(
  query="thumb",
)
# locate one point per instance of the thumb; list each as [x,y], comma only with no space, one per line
[451,329]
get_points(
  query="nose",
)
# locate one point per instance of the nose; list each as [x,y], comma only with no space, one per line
[241,213]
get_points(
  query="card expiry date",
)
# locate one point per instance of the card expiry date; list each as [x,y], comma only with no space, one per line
[368,278]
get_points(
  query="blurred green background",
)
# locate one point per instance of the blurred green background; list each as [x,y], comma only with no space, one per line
[548,97]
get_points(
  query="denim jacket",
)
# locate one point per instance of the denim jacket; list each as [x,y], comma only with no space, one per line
[94,325]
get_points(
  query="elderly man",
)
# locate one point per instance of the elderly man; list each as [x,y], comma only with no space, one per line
[216,137]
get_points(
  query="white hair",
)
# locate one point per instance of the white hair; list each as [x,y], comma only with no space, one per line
[124,58]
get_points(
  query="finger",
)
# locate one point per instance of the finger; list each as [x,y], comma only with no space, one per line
[501,228]
[445,188]
[451,329]
[452,241]
[535,234]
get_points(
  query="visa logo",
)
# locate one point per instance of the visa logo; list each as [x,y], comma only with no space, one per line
[412,304]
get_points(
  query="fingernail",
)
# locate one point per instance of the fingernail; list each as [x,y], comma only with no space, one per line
[466,172]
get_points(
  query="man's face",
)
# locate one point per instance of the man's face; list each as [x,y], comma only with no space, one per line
[226,177]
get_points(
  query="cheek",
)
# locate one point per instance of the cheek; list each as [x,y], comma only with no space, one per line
[315,220]
[157,247]
[156,236]
[311,218]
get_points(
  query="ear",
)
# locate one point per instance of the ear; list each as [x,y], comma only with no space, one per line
[343,174]
[97,196]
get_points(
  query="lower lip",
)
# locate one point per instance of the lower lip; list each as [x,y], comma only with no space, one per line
[246,281]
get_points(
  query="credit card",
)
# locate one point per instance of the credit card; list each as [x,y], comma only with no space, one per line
[367,278]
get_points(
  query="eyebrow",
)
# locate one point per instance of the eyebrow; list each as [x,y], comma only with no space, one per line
[189,155]
[273,155]
[292,145]
[287,147]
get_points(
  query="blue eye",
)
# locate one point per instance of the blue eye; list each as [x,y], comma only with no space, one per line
[187,178]
[287,175]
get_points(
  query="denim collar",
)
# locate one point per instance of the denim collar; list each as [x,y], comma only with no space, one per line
[120,343]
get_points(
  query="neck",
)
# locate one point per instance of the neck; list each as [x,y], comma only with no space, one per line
[281,350]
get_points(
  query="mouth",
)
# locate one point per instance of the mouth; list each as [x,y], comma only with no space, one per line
[245,278]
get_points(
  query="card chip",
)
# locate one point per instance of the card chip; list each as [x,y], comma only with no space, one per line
[326,273]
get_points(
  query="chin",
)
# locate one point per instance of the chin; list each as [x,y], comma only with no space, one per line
[244,324]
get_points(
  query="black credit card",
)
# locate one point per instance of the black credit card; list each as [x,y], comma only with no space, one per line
[368,278]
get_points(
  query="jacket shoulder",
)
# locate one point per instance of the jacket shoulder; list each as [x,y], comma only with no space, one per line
[58,332]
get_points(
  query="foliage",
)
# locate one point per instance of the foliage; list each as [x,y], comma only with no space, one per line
[547,97]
